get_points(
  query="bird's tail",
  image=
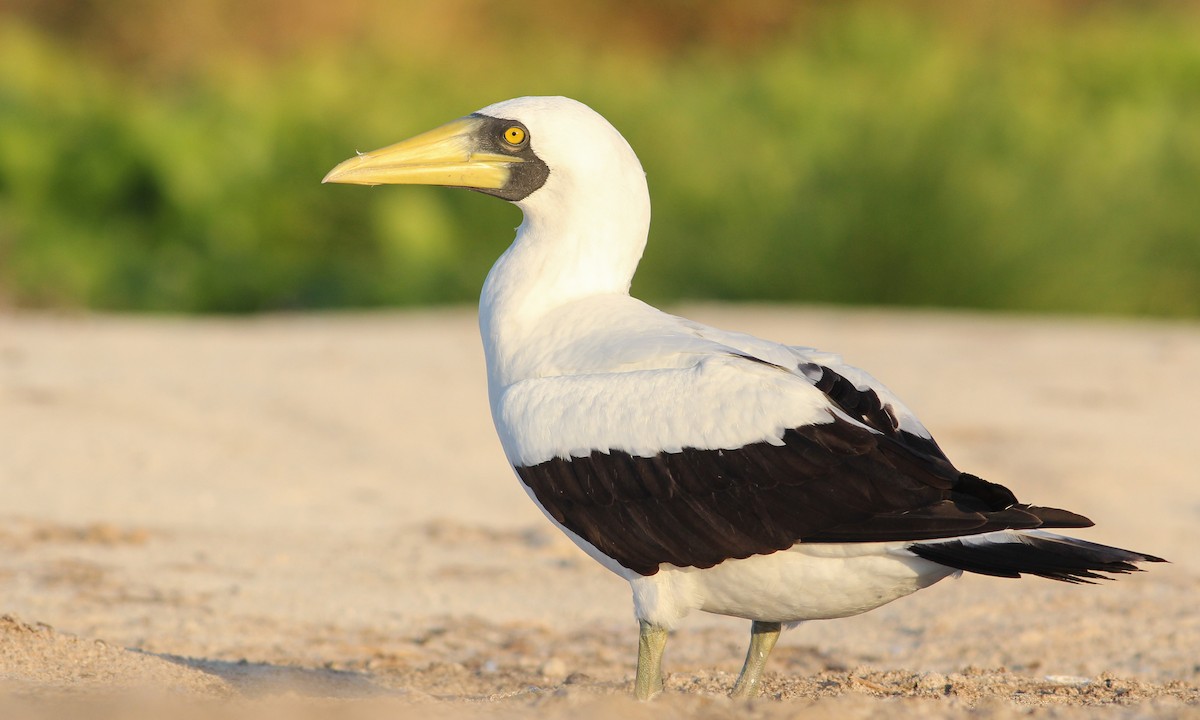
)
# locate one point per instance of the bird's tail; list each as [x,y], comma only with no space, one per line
[1010,553]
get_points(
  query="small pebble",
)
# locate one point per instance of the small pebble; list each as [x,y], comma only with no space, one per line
[1067,680]
[553,668]
[936,682]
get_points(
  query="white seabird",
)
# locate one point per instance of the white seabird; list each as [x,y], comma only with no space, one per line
[713,470]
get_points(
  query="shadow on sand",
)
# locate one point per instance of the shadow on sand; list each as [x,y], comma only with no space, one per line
[253,679]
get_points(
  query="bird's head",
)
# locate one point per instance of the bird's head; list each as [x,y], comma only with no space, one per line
[577,181]
[512,150]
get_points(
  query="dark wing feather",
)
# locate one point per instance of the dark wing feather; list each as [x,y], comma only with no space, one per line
[833,482]
[1055,557]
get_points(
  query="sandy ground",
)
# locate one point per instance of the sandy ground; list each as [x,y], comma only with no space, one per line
[310,516]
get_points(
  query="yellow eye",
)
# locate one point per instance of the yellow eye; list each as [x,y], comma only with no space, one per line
[514,135]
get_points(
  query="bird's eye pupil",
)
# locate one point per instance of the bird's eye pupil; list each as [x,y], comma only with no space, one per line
[514,135]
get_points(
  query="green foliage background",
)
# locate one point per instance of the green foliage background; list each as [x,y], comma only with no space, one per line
[1024,156]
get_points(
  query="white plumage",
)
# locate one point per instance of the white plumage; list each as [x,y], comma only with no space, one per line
[713,470]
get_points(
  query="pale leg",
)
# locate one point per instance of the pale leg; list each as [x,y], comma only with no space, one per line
[762,638]
[651,643]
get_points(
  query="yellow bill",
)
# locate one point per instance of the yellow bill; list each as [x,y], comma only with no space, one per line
[448,155]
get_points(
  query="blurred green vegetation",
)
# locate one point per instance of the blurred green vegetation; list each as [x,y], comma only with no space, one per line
[1028,156]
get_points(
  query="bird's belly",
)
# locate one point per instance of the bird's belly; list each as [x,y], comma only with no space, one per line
[810,582]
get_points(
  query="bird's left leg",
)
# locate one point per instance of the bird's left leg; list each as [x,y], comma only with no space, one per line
[762,638]
[652,640]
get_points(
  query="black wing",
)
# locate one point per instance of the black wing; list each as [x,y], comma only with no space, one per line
[833,482]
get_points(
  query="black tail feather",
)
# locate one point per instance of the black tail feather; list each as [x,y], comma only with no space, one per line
[1034,553]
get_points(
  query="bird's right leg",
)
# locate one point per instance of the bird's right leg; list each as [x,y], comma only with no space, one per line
[762,639]
[652,640]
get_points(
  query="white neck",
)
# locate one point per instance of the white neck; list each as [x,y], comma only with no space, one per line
[575,242]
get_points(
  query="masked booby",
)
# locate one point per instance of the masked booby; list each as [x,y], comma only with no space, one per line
[713,470]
